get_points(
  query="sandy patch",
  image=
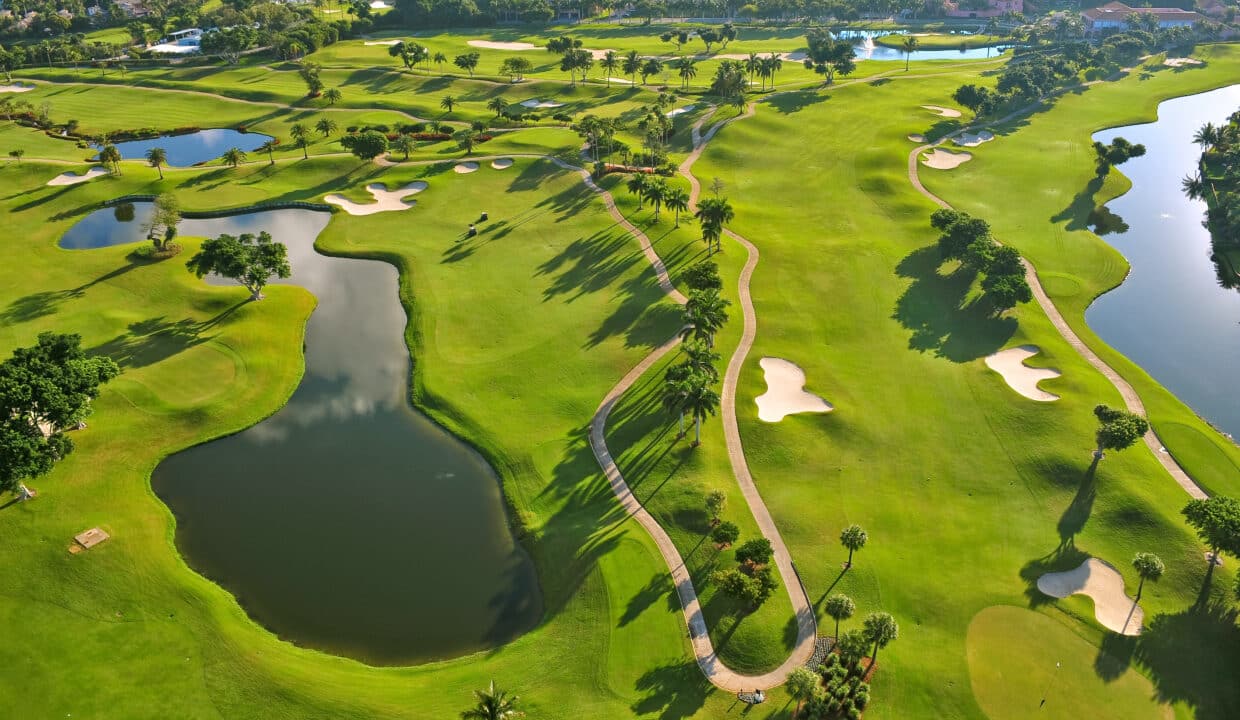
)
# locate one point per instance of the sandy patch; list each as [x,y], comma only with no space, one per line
[379,5]
[942,111]
[1169,62]
[974,139]
[599,54]
[465,167]
[535,103]
[917,138]
[72,178]
[797,56]
[385,200]
[785,392]
[489,45]
[1020,377]
[90,538]
[16,87]
[945,159]
[383,42]
[1095,578]
[501,163]
[620,81]
[680,110]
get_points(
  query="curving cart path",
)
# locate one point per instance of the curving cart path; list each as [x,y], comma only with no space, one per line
[1132,400]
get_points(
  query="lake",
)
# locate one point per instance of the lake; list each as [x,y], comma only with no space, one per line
[193,148]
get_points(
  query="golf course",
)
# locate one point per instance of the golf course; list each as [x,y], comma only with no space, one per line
[429,381]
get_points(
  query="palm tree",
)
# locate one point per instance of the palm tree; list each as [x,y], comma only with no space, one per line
[852,646]
[1194,187]
[908,45]
[465,139]
[686,70]
[493,704]
[17,155]
[770,66]
[705,314]
[234,156]
[637,184]
[853,538]
[439,60]
[498,104]
[111,157]
[405,143]
[677,200]
[700,359]
[1149,566]
[656,192]
[675,389]
[840,607]
[447,103]
[1207,136]
[156,157]
[801,684]
[325,127]
[609,62]
[880,628]
[700,400]
[301,137]
[714,213]
[269,147]
[332,95]
[632,64]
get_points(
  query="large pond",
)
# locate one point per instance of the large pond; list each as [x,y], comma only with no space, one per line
[347,521]
[193,148]
[867,49]
[1170,315]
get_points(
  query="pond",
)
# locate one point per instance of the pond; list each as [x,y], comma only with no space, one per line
[193,148]
[867,49]
[1170,315]
[347,521]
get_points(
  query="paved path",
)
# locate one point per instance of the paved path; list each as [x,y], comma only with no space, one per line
[1131,399]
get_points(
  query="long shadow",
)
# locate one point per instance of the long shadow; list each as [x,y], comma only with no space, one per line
[792,102]
[935,309]
[1062,558]
[156,339]
[1193,657]
[47,302]
[1078,213]
[660,585]
[1078,511]
[672,691]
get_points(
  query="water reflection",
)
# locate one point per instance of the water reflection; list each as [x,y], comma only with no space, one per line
[193,148]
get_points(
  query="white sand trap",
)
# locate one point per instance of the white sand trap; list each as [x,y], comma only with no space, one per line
[680,111]
[1180,62]
[917,138]
[385,200]
[1095,578]
[72,178]
[785,392]
[535,103]
[489,45]
[383,42]
[598,54]
[620,81]
[974,139]
[466,167]
[945,159]
[942,111]
[1020,377]
[16,87]
[501,163]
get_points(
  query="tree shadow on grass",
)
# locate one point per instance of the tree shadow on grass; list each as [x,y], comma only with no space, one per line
[1079,213]
[1074,517]
[795,101]
[48,302]
[672,691]
[936,310]
[659,586]
[1194,657]
[1064,557]
[156,339]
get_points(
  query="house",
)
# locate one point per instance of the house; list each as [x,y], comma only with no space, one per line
[1113,16]
[982,9]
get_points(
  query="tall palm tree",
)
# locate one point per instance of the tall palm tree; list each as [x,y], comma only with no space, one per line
[325,126]
[752,64]
[1149,566]
[908,45]
[447,103]
[686,70]
[700,400]
[405,143]
[637,184]
[498,104]
[675,389]
[439,59]
[1194,187]
[656,193]
[840,607]
[269,148]
[853,538]
[880,628]
[714,213]
[609,62]
[677,200]
[111,157]
[705,313]
[700,359]
[632,65]
[1207,136]
[332,95]
[774,64]
[802,683]
[301,136]
[234,156]
[493,704]
[156,157]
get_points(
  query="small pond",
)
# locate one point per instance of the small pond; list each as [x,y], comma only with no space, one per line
[867,49]
[347,521]
[1170,315]
[193,148]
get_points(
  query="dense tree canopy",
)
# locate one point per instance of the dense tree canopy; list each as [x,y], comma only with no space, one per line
[250,260]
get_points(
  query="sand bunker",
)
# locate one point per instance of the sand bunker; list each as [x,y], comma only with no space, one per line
[501,163]
[620,81]
[1095,578]
[465,167]
[797,56]
[489,45]
[383,42]
[680,110]
[16,87]
[535,103]
[1180,62]
[385,200]
[974,139]
[785,392]
[945,159]
[72,178]
[917,138]
[942,111]
[1020,377]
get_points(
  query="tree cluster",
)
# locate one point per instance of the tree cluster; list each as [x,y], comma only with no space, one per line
[1217,182]
[689,385]
[753,580]
[1119,151]
[968,240]
[838,690]
[829,55]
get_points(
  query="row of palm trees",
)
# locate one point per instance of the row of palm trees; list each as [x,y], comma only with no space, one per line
[656,191]
[689,385]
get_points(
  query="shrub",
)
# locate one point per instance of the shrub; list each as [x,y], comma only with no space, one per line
[853,714]
[861,699]
[725,533]
[351,128]
[757,551]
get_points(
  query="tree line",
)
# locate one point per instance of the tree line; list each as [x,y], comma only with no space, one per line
[1217,182]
